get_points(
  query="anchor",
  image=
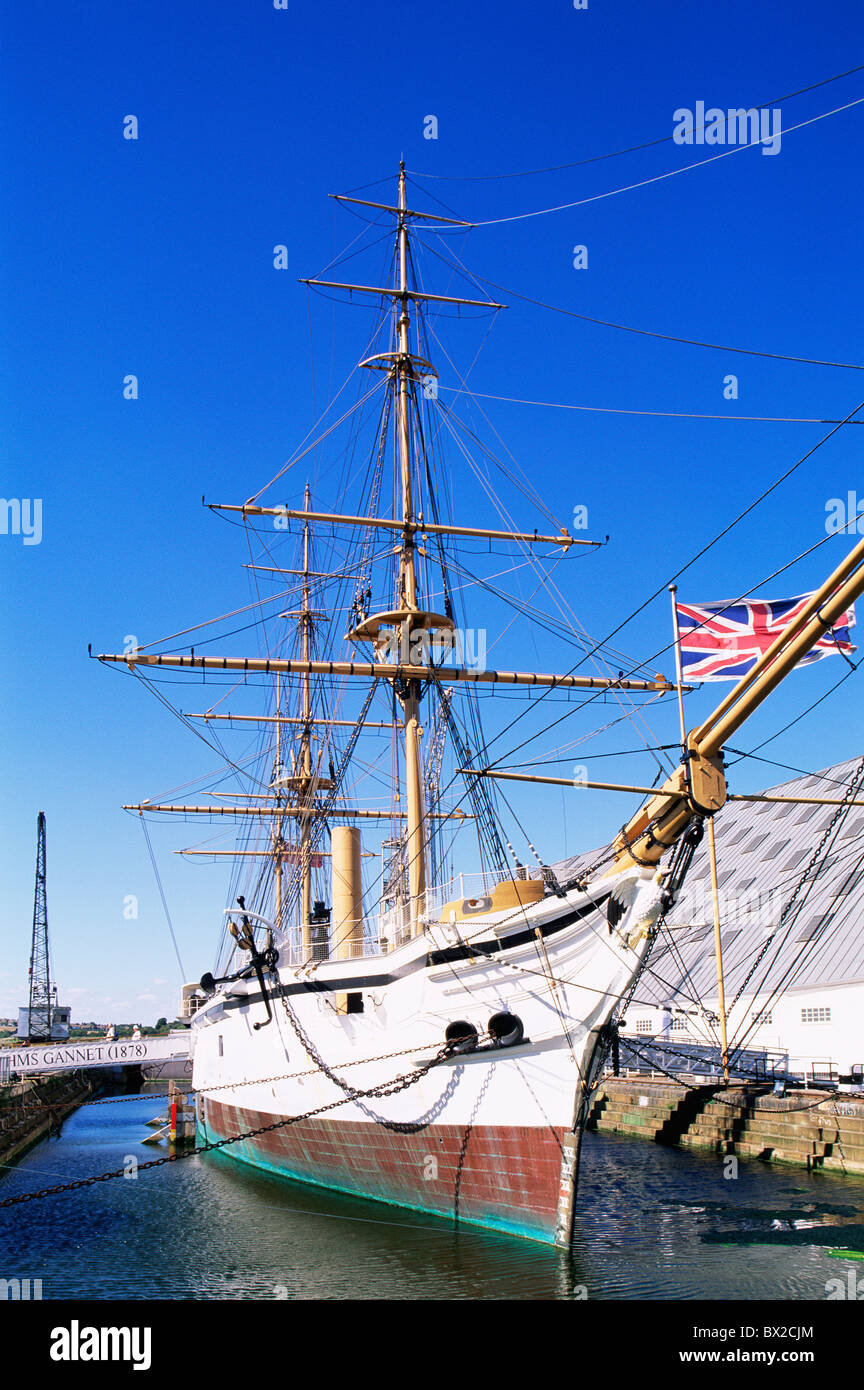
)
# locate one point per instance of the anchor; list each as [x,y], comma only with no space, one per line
[260,961]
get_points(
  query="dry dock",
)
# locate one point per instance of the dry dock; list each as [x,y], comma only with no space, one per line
[813,1129]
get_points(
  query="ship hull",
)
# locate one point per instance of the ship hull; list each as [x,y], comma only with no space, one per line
[503,1177]
[369,1103]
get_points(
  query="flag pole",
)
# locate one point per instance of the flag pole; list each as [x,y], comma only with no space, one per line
[712,849]
[718,952]
[673,590]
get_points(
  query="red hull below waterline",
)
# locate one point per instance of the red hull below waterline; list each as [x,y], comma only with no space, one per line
[506,1178]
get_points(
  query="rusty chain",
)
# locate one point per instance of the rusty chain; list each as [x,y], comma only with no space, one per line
[389,1088]
[225,1086]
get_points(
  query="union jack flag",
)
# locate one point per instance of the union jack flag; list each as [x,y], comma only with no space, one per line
[722,641]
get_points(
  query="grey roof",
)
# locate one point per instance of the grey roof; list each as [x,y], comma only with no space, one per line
[763,850]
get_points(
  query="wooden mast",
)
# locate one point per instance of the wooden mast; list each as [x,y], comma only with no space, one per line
[291,719]
[277,832]
[391,632]
[387,523]
[306,746]
[389,670]
[301,779]
[718,952]
[410,694]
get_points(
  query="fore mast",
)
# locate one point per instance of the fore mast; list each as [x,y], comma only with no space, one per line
[409,694]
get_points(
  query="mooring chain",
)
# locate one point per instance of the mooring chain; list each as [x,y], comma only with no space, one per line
[351,1092]
[208,1090]
[388,1088]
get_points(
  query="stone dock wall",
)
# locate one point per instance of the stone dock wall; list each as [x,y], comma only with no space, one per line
[30,1110]
[812,1129]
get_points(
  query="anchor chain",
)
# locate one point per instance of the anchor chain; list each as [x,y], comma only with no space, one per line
[351,1092]
[389,1088]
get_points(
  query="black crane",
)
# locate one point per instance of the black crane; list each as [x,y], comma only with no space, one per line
[40,1006]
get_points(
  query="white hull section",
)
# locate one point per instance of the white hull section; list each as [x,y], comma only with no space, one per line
[557,965]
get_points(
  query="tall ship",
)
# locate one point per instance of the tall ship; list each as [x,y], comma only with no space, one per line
[410,1004]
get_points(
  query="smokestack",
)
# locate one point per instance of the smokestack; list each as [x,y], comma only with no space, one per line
[347,922]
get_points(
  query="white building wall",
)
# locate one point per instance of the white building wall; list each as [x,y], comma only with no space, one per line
[818,1026]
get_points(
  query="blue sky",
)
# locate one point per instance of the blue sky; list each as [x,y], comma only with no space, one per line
[155,257]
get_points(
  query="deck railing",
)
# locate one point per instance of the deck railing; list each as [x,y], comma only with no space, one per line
[392,926]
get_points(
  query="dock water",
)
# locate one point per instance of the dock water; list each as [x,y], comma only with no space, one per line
[33,1109]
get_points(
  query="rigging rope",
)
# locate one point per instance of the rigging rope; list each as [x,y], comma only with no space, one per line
[483,283]
[664,414]
[669,174]
[613,154]
[183,975]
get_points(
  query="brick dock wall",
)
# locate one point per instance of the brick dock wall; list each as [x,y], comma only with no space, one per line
[22,1120]
[811,1129]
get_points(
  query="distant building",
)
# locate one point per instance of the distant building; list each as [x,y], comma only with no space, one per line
[792,940]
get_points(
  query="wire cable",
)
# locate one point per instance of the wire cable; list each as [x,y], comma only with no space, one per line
[614,154]
[483,283]
[659,178]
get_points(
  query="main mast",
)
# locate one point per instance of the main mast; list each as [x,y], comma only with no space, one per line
[410,693]
[397,656]
[306,744]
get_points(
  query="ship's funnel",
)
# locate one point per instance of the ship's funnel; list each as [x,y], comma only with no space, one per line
[347,927]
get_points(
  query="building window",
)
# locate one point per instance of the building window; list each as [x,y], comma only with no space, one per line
[761,1019]
[737,837]
[221,1053]
[773,850]
[643,1025]
[793,859]
[847,884]
[816,1015]
[757,841]
[679,1025]
[813,928]
[696,934]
